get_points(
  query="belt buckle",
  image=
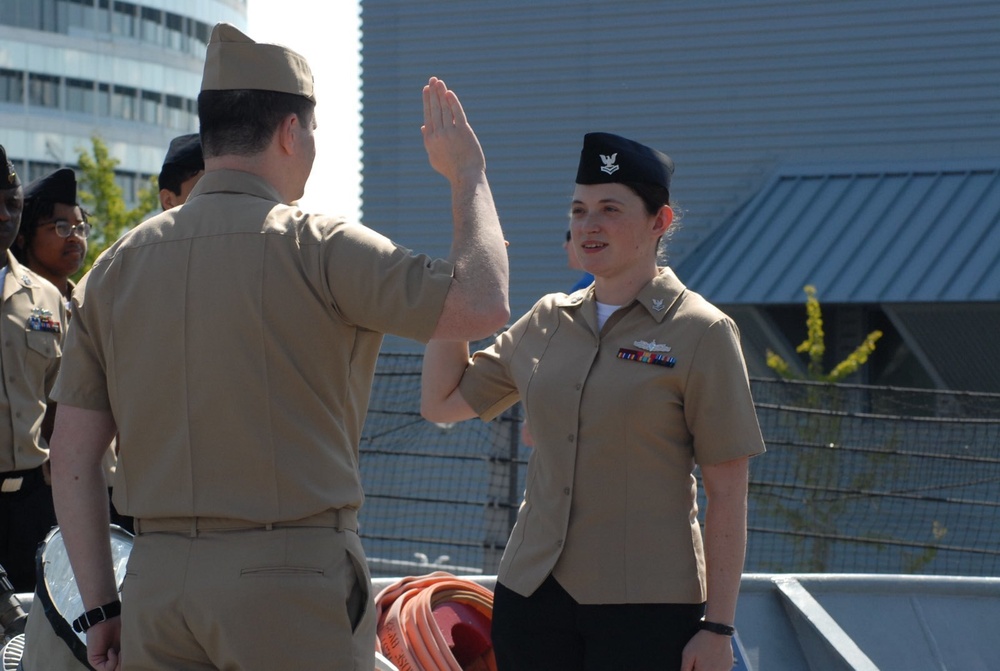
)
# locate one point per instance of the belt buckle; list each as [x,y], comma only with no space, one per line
[11,485]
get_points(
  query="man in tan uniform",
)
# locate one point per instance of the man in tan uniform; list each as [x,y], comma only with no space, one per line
[32,320]
[232,343]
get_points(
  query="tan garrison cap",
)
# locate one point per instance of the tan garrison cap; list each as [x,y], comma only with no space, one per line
[234,61]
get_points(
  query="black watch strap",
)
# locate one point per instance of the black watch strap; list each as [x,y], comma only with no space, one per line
[716,628]
[99,614]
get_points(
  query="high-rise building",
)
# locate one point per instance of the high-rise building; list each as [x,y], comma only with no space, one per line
[128,72]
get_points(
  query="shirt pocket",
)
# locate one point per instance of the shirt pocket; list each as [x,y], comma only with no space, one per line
[44,343]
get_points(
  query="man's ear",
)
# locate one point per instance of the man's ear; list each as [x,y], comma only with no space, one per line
[288,132]
[168,199]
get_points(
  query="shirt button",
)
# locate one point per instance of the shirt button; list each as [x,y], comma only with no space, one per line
[579,386]
[570,437]
[559,543]
[566,491]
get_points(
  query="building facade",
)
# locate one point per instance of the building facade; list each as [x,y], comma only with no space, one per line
[740,93]
[128,72]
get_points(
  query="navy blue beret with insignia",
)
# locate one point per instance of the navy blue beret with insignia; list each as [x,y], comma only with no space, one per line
[56,187]
[612,158]
[183,157]
[8,178]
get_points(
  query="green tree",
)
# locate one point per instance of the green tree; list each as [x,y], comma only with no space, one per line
[815,347]
[103,198]
[815,518]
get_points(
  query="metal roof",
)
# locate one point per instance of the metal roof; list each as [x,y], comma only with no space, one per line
[894,234]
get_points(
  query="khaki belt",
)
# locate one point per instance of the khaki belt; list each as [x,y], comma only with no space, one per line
[341,519]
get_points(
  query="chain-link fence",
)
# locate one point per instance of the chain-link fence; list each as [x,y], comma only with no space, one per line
[856,479]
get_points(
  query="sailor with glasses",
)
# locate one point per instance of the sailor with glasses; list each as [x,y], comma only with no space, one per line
[54,230]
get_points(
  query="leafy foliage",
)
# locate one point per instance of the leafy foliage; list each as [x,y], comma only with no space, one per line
[814,346]
[104,200]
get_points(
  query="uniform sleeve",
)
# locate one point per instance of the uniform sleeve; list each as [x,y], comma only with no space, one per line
[488,384]
[718,405]
[82,381]
[381,286]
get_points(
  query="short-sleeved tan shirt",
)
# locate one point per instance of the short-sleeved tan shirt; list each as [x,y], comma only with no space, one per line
[610,505]
[32,328]
[234,340]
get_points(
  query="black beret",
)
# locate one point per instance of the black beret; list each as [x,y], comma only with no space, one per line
[8,178]
[612,158]
[56,187]
[183,156]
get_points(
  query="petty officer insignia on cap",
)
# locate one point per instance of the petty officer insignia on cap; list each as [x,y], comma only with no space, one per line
[609,164]
[612,158]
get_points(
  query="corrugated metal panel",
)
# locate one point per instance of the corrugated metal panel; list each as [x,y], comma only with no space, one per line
[731,89]
[893,235]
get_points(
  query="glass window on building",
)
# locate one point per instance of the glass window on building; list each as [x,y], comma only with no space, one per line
[192,116]
[39,169]
[124,102]
[200,35]
[174,112]
[152,26]
[103,100]
[151,107]
[80,95]
[123,19]
[43,90]
[23,13]
[11,86]
[175,37]
[102,17]
[75,16]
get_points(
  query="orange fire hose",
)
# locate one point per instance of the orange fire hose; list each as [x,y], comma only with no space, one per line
[435,622]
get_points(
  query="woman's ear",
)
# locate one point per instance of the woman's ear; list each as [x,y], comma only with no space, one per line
[663,220]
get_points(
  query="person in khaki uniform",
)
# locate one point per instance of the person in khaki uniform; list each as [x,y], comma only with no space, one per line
[44,649]
[232,343]
[629,385]
[32,320]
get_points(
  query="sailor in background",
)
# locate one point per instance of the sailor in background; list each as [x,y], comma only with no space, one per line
[630,384]
[182,167]
[32,328]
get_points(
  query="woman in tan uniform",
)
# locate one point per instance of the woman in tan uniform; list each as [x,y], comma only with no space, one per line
[629,386]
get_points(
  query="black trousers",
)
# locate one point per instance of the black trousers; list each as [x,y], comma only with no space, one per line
[26,516]
[549,630]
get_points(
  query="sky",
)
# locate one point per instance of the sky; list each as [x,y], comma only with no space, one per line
[330,41]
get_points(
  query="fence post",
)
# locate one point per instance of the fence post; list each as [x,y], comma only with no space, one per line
[504,494]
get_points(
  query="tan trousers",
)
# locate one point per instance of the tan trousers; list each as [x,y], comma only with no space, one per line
[285,598]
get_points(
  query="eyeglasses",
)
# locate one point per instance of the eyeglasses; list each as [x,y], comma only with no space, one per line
[64,229]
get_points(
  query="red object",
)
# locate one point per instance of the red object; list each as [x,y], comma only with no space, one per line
[466,630]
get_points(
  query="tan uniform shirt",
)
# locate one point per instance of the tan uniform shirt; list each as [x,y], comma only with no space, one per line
[32,328]
[234,340]
[610,505]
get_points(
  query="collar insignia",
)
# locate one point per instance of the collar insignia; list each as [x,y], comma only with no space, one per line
[658,304]
[609,163]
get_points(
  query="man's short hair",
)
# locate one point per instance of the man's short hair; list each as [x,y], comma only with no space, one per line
[242,121]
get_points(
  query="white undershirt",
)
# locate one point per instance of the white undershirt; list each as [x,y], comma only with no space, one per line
[603,312]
